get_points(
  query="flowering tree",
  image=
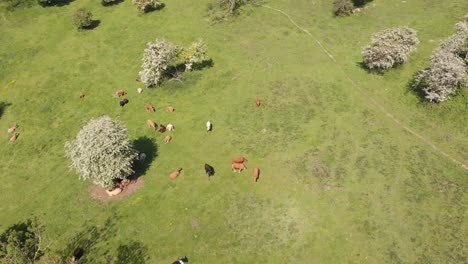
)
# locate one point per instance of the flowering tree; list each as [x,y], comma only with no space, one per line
[157,56]
[102,152]
[390,47]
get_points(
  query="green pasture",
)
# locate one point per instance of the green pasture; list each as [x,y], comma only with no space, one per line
[340,181]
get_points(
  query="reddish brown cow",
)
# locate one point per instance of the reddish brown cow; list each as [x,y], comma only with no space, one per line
[238,167]
[82,95]
[174,175]
[162,129]
[167,139]
[239,160]
[149,107]
[256,174]
[151,124]
[120,93]
[170,109]
[257,102]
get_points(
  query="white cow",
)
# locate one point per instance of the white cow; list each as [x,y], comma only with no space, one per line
[170,127]
[208,126]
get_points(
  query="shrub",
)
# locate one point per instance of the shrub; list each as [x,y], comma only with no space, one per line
[145,6]
[223,9]
[22,243]
[102,152]
[11,5]
[82,18]
[389,48]
[448,69]
[157,56]
[195,53]
[342,7]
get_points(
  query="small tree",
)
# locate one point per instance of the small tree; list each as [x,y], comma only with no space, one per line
[342,7]
[22,243]
[145,6]
[102,152]
[82,18]
[157,56]
[195,53]
[389,48]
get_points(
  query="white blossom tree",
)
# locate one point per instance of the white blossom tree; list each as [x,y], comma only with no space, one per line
[102,152]
[449,67]
[390,47]
[157,56]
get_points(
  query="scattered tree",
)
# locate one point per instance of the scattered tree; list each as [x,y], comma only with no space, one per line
[82,18]
[195,53]
[342,7]
[102,152]
[389,48]
[448,70]
[22,243]
[157,56]
[146,6]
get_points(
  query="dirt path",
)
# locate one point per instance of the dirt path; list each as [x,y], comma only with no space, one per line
[99,193]
[365,94]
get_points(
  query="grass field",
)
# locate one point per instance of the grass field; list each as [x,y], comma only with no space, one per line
[341,182]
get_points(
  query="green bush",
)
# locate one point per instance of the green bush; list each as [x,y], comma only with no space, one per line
[82,18]
[11,5]
[342,7]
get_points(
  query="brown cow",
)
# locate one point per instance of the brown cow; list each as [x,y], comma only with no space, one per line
[174,175]
[162,129]
[170,109]
[12,129]
[151,124]
[238,167]
[257,102]
[167,139]
[14,137]
[256,174]
[149,107]
[239,160]
[120,93]
[82,95]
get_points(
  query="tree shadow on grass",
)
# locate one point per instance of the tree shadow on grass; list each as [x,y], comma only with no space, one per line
[360,3]
[150,148]
[116,2]
[25,237]
[44,3]
[88,240]
[3,106]
[133,252]
[94,24]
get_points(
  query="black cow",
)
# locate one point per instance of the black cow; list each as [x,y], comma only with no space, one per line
[123,102]
[209,170]
[181,261]
[77,254]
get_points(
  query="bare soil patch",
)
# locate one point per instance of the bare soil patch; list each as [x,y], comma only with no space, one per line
[100,193]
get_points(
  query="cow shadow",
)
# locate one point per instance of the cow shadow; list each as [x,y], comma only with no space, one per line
[3,106]
[150,148]
[133,252]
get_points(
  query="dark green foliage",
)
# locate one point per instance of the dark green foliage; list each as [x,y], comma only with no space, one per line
[45,3]
[109,2]
[342,7]
[82,18]
[11,5]
[21,243]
